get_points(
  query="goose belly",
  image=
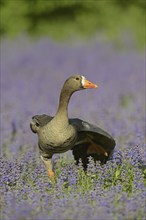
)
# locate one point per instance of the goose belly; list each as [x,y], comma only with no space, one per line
[57,143]
[63,147]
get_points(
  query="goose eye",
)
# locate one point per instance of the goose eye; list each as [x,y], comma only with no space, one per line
[77,78]
[37,124]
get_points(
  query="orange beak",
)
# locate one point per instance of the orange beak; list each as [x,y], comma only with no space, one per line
[89,85]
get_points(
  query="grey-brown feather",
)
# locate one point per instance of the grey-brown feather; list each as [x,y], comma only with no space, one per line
[80,147]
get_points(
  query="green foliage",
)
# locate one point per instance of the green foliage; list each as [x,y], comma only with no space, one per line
[107,176]
[63,18]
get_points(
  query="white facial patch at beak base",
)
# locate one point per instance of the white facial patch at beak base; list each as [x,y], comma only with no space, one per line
[83,81]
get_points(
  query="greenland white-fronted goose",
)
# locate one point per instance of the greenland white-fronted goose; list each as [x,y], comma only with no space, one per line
[59,134]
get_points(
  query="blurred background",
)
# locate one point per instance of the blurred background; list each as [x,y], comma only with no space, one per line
[45,41]
[71,19]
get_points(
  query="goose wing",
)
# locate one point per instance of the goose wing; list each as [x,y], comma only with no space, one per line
[92,141]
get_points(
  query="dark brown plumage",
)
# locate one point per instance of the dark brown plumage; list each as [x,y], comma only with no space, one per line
[59,134]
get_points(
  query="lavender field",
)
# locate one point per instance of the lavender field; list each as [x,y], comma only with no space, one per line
[32,74]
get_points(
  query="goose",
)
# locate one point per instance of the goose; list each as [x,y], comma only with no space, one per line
[59,134]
